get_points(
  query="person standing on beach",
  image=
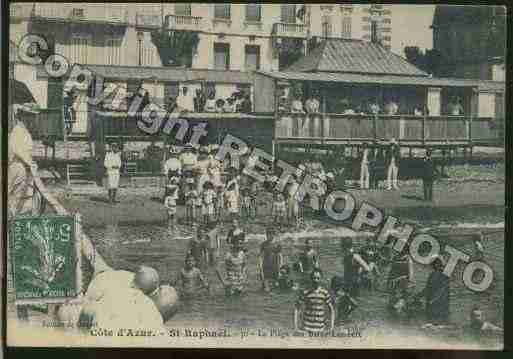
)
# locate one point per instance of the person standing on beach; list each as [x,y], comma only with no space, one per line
[392,158]
[112,164]
[478,246]
[364,168]
[312,306]
[428,176]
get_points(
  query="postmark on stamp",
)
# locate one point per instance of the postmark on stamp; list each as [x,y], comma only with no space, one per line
[44,257]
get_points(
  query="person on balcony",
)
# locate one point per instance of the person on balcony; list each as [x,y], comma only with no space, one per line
[391,108]
[210,104]
[185,101]
[417,111]
[220,105]
[455,107]
[312,104]
[392,158]
[374,108]
[229,106]
[199,101]
[246,105]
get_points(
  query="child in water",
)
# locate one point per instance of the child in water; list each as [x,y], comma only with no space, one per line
[209,199]
[190,194]
[198,246]
[279,208]
[198,206]
[253,194]
[246,203]
[344,303]
[285,283]
[232,199]
[191,279]
[170,204]
[219,202]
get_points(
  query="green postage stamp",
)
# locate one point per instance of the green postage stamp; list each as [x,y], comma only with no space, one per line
[45,259]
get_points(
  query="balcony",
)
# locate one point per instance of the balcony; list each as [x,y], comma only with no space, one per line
[19,11]
[282,29]
[148,20]
[183,22]
[79,13]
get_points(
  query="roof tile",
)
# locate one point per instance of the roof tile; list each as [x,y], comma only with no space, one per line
[354,56]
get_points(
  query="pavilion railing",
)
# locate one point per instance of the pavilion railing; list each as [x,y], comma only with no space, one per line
[407,128]
[311,127]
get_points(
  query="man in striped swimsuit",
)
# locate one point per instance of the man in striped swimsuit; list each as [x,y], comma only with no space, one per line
[312,305]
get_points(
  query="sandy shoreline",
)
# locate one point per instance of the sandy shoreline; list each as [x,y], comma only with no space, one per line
[144,205]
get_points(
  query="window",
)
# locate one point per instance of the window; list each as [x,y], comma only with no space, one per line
[253,12]
[113,51]
[288,13]
[374,31]
[79,48]
[132,86]
[171,90]
[252,58]
[221,56]
[346,27]
[210,89]
[183,9]
[77,12]
[222,11]
[326,26]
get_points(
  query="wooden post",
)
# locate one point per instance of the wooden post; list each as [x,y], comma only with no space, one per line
[375,127]
[276,119]
[424,129]
[323,116]
[469,124]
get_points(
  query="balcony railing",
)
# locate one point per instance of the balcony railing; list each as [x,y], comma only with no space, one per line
[80,13]
[182,22]
[147,20]
[283,29]
[406,128]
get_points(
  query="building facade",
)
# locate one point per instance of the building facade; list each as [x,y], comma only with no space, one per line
[471,40]
[241,37]
[205,39]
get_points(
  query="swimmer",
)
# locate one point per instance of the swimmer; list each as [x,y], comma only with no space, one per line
[308,259]
[235,262]
[191,279]
[311,306]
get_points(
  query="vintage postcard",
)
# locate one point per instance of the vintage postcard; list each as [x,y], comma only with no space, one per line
[206,175]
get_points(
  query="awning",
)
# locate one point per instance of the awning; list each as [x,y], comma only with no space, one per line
[384,79]
[164,74]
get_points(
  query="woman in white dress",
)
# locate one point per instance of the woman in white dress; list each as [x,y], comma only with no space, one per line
[112,165]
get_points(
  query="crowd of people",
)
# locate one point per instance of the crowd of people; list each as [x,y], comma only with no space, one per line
[322,304]
[214,191]
[317,307]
